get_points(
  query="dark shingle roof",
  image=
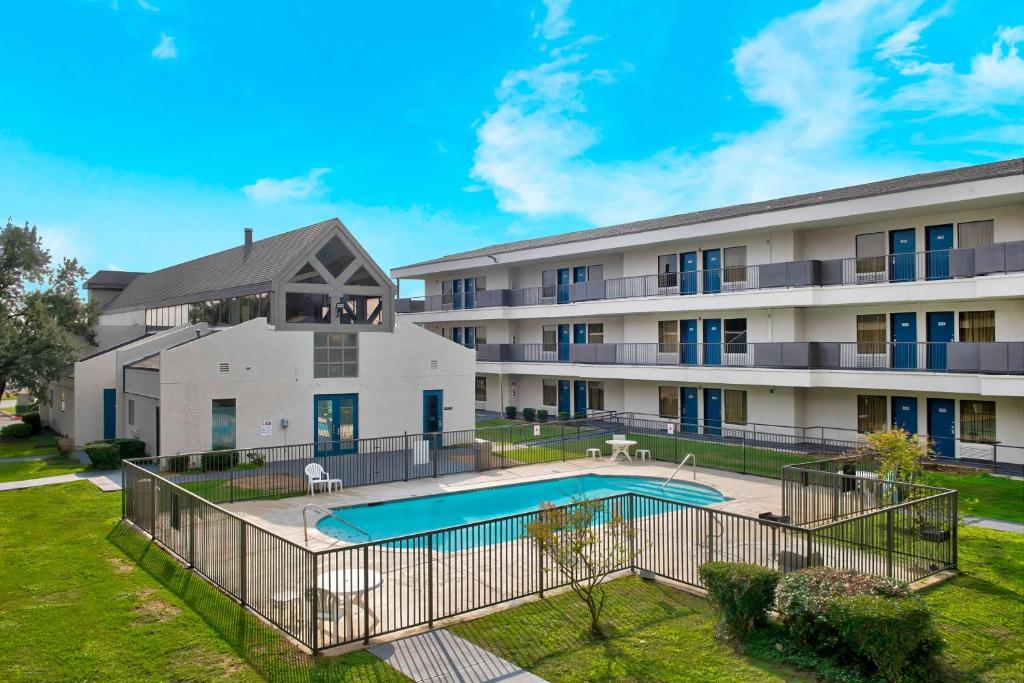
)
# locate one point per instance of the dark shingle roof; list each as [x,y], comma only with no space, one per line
[232,272]
[147,363]
[998,169]
[111,279]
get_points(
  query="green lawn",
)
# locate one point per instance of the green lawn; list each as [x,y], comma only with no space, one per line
[518,431]
[982,494]
[34,469]
[82,598]
[42,444]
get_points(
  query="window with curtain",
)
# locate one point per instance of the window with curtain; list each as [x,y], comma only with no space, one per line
[736,335]
[668,402]
[595,333]
[978,421]
[975,234]
[871,333]
[481,388]
[481,335]
[871,252]
[977,326]
[668,336]
[734,262]
[549,337]
[735,406]
[871,414]
[223,435]
[668,264]
[480,283]
[550,393]
[595,395]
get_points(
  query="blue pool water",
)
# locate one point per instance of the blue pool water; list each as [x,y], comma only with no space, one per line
[416,515]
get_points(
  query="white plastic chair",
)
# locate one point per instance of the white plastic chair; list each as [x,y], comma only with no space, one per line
[618,437]
[329,609]
[316,474]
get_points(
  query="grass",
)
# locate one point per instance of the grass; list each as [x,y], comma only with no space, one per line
[42,444]
[520,431]
[83,598]
[34,469]
[983,495]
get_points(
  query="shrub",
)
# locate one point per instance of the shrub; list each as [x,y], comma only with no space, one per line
[529,414]
[219,460]
[130,448]
[563,416]
[34,421]
[256,459]
[510,412]
[177,463]
[65,446]
[741,593]
[103,454]
[580,415]
[26,408]
[896,636]
[542,415]
[17,430]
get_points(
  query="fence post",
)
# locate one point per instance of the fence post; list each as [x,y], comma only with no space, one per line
[124,486]
[954,522]
[192,532]
[231,480]
[430,580]
[563,441]
[540,567]
[809,557]
[315,593]
[366,594]
[632,533]
[242,567]
[888,542]
[433,458]
[744,452]
[152,520]
[405,474]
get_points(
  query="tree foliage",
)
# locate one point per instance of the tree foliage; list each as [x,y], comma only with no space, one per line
[898,453]
[43,320]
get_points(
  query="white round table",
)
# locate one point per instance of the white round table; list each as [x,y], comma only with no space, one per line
[620,447]
[350,585]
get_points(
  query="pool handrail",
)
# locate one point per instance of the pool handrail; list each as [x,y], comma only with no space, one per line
[330,513]
[689,457]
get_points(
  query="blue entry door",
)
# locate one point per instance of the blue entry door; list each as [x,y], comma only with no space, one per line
[470,337]
[904,340]
[579,389]
[942,426]
[688,272]
[938,240]
[563,286]
[433,416]
[579,333]
[712,341]
[336,423]
[690,417]
[563,396]
[579,274]
[713,412]
[712,271]
[563,342]
[457,335]
[109,413]
[456,294]
[688,344]
[904,413]
[902,245]
[470,298]
[940,334]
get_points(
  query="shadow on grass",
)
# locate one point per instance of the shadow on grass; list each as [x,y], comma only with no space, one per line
[270,655]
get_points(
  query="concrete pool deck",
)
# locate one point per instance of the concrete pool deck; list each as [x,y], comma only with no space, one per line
[748,495]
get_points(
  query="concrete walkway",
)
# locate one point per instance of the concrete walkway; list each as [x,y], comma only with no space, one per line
[997,524]
[105,481]
[440,656]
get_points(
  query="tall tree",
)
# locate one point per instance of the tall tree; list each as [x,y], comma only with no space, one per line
[43,320]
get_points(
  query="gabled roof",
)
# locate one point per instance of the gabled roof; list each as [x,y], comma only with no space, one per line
[998,169]
[111,279]
[233,272]
[148,363]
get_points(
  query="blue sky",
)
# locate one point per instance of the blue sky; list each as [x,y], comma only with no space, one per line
[138,134]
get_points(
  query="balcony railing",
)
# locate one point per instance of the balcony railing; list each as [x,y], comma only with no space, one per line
[997,358]
[1002,257]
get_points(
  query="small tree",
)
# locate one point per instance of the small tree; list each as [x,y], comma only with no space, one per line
[585,542]
[898,453]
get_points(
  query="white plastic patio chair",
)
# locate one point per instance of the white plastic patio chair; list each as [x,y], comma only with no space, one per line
[316,474]
[329,609]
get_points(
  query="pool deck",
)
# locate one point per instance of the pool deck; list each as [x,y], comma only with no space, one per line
[747,494]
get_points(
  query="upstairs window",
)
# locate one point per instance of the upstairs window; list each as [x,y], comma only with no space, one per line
[975,234]
[734,262]
[307,308]
[736,335]
[549,337]
[595,333]
[871,253]
[871,334]
[668,336]
[335,354]
[977,326]
[668,266]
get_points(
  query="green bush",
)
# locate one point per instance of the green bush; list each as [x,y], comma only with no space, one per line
[256,459]
[103,454]
[17,430]
[529,414]
[26,408]
[219,460]
[177,463]
[34,421]
[542,415]
[510,412]
[563,416]
[741,593]
[130,448]
[580,415]
[896,636]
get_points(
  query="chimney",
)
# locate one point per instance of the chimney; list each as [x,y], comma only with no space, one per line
[248,237]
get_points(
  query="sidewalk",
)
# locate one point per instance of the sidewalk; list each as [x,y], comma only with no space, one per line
[997,524]
[438,656]
[109,480]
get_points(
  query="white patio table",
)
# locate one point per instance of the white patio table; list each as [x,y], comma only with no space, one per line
[620,447]
[348,585]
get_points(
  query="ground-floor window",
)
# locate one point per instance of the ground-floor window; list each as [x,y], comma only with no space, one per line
[978,421]
[595,395]
[550,397]
[223,434]
[870,414]
[131,411]
[668,402]
[481,388]
[735,407]
[63,402]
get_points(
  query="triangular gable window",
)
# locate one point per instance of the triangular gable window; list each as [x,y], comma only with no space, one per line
[308,276]
[335,256]
[362,278]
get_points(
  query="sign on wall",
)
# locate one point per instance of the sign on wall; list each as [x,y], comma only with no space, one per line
[266,427]
[536,430]
[670,427]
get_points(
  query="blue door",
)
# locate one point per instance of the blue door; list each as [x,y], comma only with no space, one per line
[713,412]
[470,298]
[940,334]
[563,396]
[109,413]
[457,335]
[938,240]
[433,416]
[904,340]
[712,342]
[580,397]
[456,294]
[902,245]
[689,346]
[335,423]
[563,342]
[690,418]
[904,413]
[712,271]
[470,337]
[942,426]
[579,274]
[579,333]
[563,286]
[688,272]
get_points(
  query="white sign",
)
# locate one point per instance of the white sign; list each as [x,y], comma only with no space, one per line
[536,430]
[266,427]
[670,427]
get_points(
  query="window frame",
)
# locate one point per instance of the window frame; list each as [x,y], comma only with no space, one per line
[870,263]
[863,417]
[480,383]
[735,340]
[595,389]
[552,385]
[668,336]
[986,229]
[970,418]
[328,355]
[591,333]
[734,272]
[871,338]
[223,404]
[973,332]
[737,412]
[668,394]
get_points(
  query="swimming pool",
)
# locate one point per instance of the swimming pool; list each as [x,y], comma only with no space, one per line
[390,519]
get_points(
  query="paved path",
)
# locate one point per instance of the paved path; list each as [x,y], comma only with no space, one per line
[997,524]
[439,656]
[104,481]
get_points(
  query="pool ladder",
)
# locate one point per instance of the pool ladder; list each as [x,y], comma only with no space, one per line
[688,459]
[329,513]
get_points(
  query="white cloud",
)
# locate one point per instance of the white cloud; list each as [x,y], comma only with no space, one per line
[148,7]
[556,23]
[272,190]
[165,49]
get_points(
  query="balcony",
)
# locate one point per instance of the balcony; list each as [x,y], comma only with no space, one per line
[1002,257]
[990,358]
